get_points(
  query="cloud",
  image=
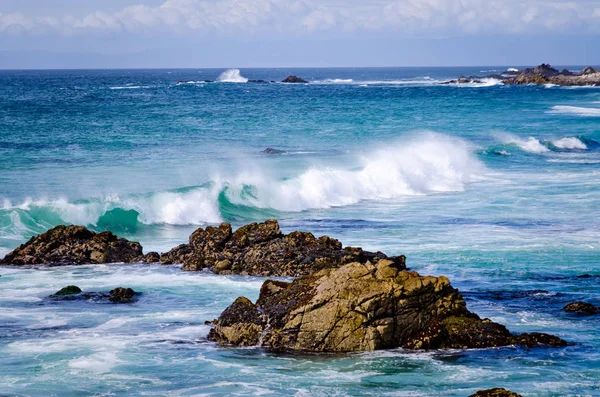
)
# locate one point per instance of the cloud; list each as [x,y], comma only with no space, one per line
[234,17]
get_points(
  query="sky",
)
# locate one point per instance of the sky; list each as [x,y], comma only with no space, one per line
[296,33]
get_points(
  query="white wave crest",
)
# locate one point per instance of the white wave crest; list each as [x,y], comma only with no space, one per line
[512,70]
[576,110]
[431,164]
[232,76]
[569,143]
[531,144]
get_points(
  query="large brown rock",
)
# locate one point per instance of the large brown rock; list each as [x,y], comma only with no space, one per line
[74,245]
[495,392]
[261,249]
[362,306]
[546,74]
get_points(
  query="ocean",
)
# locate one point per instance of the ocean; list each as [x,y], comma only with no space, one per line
[496,187]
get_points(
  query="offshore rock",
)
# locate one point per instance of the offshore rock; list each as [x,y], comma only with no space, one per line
[74,245]
[496,392]
[69,290]
[271,150]
[293,79]
[117,295]
[546,74]
[363,306]
[122,295]
[581,307]
[261,249]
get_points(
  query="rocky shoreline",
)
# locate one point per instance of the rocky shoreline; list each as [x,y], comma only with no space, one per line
[343,299]
[540,75]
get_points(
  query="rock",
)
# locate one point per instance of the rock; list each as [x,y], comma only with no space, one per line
[496,392]
[363,306]
[74,245]
[257,81]
[261,249]
[122,295]
[581,307]
[270,150]
[293,79]
[70,290]
[151,257]
[589,70]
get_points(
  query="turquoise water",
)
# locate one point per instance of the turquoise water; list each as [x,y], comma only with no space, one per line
[496,187]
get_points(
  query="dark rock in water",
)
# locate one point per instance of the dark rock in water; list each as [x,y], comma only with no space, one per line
[151,257]
[257,81]
[74,245]
[270,150]
[363,306]
[293,79]
[261,249]
[581,307]
[69,290]
[496,392]
[546,74]
[122,295]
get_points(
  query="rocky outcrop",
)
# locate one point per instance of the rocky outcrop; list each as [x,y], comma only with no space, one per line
[581,308]
[496,392]
[261,249]
[546,74]
[74,245]
[117,295]
[293,79]
[271,150]
[363,306]
[151,257]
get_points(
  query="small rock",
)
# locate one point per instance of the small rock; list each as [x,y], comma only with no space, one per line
[496,392]
[151,257]
[70,290]
[122,295]
[293,79]
[581,307]
[270,150]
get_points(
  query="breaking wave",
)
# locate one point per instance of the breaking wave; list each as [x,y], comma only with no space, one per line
[232,76]
[427,165]
[576,110]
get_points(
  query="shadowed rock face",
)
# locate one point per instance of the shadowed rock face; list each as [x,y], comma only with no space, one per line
[496,392]
[362,306]
[74,245]
[261,249]
[293,79]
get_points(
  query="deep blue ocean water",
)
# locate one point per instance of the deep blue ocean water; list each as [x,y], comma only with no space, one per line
[496,187]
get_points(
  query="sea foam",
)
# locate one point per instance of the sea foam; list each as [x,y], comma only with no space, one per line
[576,110]
[569,143]
[232,76]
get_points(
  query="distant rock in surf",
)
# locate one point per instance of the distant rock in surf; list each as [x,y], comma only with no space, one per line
[293,79]
[151,257]
[74,245]
[581,308]
[117,295]
[122,295]
[69,290]
[260,249]
[257,81]
[496,392]
[271,150]
[363,306]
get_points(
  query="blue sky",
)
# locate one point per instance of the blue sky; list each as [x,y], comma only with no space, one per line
[263,33]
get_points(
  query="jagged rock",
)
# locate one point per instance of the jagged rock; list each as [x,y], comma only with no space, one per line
[151,257]
[69,290]
[496,392]
[589,70]
[74,245]
[122,295]
[261,249]
[270,150]
[581,307]
[257,81]
[293,79]
[363,306]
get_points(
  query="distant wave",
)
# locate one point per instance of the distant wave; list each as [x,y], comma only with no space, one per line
[232,76]
[536,146]
[512,70]
[569,143]
[430,164]
[130,87]
[531,144]
[576,110]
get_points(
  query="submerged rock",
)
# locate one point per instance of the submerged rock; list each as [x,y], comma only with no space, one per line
[270,150]
[363,306]
[293,79]
[581,307]
[261,249]
[117,295]
[74,245]
[496,392]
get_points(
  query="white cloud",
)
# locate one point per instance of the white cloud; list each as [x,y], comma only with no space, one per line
[232,17]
